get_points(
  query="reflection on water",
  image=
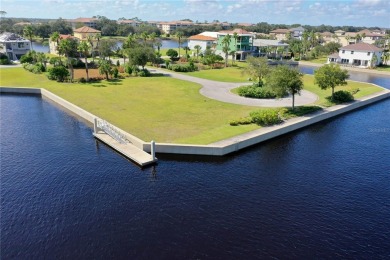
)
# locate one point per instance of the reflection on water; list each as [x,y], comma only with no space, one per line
[321,192]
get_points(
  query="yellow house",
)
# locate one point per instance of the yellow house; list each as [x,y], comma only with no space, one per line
[84,32]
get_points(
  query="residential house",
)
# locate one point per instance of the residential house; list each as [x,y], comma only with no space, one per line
[242,47]
[14,45]
[90,22]
[280,34]
[361,55]
[83,33]
[203,41]
[372,37]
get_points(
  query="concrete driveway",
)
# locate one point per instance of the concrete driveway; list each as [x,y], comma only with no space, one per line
[221,91]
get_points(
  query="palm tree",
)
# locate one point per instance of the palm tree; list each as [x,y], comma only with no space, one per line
[233,53]
[28,32]
[97,38]
[226,42]
[105,68]
[235,36]
[84,48]
[67,47]
[197,48]
[41,58]
[55,37]
[186,49]
[158,45]
[179,35]
[144,36]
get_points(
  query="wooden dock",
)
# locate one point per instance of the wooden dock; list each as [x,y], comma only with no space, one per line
[127,149]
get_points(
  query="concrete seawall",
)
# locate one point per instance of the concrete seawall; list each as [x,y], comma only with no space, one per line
[222,147]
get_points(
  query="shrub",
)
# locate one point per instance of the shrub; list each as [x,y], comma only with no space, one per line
[266,117]
[27,58]
[59,73]
[82,80]
[4,61]
[256,92]
[182,67]
[77,63]
[241,121]
[128,69]
[144,73]
[115,73]
[36,68]
[341,96]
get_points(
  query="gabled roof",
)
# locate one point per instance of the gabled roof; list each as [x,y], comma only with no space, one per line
[334,55]
[86,29]
[326,34]
[361,46]
[66,36]
[200,37]
[83,20]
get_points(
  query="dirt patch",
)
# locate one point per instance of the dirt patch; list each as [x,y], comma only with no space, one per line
[93,73]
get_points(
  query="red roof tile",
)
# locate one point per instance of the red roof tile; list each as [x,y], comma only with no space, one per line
[86,29]
[361,47]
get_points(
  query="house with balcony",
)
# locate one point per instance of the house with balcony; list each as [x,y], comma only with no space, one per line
[242,47]
[362,55]
[14,45]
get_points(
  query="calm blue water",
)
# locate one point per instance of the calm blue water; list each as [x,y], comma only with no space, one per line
[322,192]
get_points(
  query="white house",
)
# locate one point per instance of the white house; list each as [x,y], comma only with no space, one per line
[361,55]
[202,41]
[13,45]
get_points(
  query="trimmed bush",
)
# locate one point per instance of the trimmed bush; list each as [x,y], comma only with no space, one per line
[241,121]
[266,117]
[144,73]
[59,73]
[256,92]
[182,67]
[341,96]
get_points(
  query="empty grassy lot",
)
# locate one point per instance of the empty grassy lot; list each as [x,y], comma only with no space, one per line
[156,108]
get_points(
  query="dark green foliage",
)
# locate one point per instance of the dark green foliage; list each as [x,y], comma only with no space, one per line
[27,58]
[266,117]
[4,59]
[182,67]
[256,92]
[144,73]
[56,61]
[115,73]
[59,73]
[77,63]
[341,96]
[298,111]
[128,69]
[172,54]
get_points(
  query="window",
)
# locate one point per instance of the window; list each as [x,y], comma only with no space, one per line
[343,51]
[368,53]
[352,52]
[20,45]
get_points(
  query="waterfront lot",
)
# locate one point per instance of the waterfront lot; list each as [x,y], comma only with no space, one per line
[159,108]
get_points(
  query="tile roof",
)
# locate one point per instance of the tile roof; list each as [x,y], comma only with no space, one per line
[86,29]
[361,46]
[334,55]
[83,20]
[201,38]
[280,31]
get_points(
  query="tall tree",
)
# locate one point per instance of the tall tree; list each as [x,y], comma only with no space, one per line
[179,36]
[257,68]
[330,76]
[28,32]
[226,47]
[284,79]
[68,48]
[139,56]
[84,48]
[55,37]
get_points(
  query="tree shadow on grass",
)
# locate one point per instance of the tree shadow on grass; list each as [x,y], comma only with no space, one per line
[114,82]
[99,85]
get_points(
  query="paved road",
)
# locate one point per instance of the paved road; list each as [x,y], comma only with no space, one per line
[221,91]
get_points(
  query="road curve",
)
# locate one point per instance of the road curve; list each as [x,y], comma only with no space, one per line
[221,91]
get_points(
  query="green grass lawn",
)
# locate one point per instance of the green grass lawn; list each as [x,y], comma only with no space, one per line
[162,108]
[383,68]
[229,74]
[320,60]
[156,108]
